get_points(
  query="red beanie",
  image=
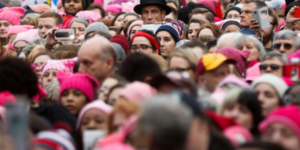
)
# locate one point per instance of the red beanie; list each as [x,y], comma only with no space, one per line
[122,40]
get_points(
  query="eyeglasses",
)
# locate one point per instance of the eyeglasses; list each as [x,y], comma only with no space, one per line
[141,47]
[272,66]
[285,45]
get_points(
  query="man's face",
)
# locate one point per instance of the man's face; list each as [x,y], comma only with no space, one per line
[199,17]
[211,79]
[285,46]
[272,65]
[73,6]
[46,24]
[151,14]
[246,15]
[170,17]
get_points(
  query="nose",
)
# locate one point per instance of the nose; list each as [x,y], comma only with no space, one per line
[149,16]
[162,43]
[281,49]
[92,125]
[81,69]
[260,98]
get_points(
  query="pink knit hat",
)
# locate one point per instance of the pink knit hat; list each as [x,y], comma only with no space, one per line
[117,146]
[27,36]
[138,91]
[91,15]
[64,65]
[18,29]
[287,115]
[253,73]
[100,2]
[13,14]
[83,82]
[238,135]
[6,97]
[40,8]
[115,8]
[135,23]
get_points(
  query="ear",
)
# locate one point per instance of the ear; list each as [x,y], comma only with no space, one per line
[110,63]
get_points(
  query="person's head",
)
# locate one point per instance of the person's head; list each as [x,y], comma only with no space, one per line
[153,13]
[223,41]
[286,42]
[171,16]
[184,60]
[9,17]
[118,21]
[79,25]
[16,80]
[31,19]
[289,6]
[133,28]
[97,8]
[168,37]
[210,30]
[108,84]
[72,7]
[211,69]
[162,124]
[139,66]
[93,28]
[114,94]
[145,41]
[282,126]
[36,49]
[269,32]
[273,63]
[97,59]
[39,60]
[270,89]
[231,26]
[48,21]
[173,3]
[196,46]
[246,15]
[193,28]
[202,14]
[250,43]
[233,13]
[111,11]
[261,145]
[131,16]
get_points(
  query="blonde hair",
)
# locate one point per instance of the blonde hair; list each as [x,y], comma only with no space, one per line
[188,54]
[31,19]
[35,51]
[161,62]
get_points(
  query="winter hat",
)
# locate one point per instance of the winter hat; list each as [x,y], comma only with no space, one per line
[18,29]
[13,14]
[90,15]
[129,6]
[238,135]
[183,14]
[117,146]
[96,27]
[287,115]
[114,8]
[230,22]
[40,8]
[253,72]
[222,122]
[138,91]
[97,104]
[83,82]
[80,20]
[232,8]
[122,40]
[119,2]
[68,23]
[180,24]
[120,51]
[100,2]
[148,36]
[174,32]
[64,65]
[133,24]
[278,84]
[27,36]
[54,140]
[212,4]
[7,97]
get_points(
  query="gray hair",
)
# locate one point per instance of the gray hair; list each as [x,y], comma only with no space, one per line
[246,39]
[226,36]
[288,34]
[53,92]
[273,54]
[167,119]
[31,45]
[108,51]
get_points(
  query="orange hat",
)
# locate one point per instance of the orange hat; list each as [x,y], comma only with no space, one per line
[211,61]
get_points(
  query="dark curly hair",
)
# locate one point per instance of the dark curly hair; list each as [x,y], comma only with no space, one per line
[17,76]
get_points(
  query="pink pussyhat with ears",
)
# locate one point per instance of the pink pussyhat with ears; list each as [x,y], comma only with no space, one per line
[138,91]
[18,29]
[64,65]
[7,97]
[27,36]
[91,15]
[12,14]
[115,8]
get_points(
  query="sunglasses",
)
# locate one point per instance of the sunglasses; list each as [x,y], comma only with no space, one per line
[272,66]
[285,45]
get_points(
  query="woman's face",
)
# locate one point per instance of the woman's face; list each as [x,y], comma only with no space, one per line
[129,18]
[268,97]
[180,65]
[74,100]
[240,113]
[254,53]
[233,15]
[281,134]
[114,96]
[167,43]
[49,75]
[79,28]
[206,32]
[19,46]
[39,62]
[134,30]
[193,30]
[4,25]
[93,119]
[119,21]
[231,28]
[106,86]
[110,16]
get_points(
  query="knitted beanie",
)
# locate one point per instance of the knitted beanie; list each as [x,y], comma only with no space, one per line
[80,20]
[231,22]
[90,15]
[64,65]
[83,82]
[232,8]
[27,36]
[278,84]
[122,40]
[13,14]
[96,27]
[40,8]
[114,8]
[120,51]
[171,30]
[138,91]
[18,29]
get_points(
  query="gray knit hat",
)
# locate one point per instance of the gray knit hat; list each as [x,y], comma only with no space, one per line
[81,20]
[120,51]
[96,27]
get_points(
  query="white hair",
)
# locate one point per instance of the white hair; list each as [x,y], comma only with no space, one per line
[228,36]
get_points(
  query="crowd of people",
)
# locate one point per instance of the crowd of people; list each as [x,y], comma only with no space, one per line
[149,75]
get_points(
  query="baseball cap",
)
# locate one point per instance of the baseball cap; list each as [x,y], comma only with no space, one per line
[211,61]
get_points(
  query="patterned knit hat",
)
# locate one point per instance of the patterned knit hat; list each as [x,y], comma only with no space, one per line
[13,14]
[64,65]
[96,27]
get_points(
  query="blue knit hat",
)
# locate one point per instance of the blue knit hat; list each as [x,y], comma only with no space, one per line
[171,30]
